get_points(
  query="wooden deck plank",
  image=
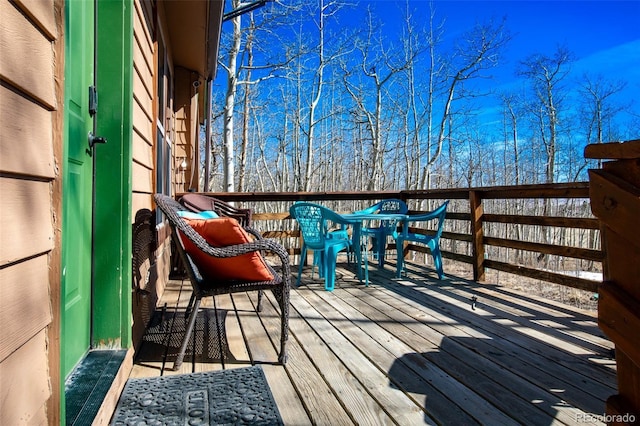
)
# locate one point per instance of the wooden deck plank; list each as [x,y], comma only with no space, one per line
[369,396]
[156,358]
[557,334]
[285,394]
[512,310]
[360,405]
[176,298]
[237,356]
[468,368]
[581,324]
[235,350]
[423,382]
[259,344]
[510,392]
[321,405]
[501,330]
[413,351]
[514,345]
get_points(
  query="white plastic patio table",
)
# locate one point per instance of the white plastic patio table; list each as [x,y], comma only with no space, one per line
[357,220]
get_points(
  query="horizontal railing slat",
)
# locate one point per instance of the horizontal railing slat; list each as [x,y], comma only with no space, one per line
[567,251]
[561,222]
[552,277]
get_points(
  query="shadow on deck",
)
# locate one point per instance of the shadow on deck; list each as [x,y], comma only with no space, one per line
[404,351]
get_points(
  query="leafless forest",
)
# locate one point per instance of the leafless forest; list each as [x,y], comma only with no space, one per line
[305,102]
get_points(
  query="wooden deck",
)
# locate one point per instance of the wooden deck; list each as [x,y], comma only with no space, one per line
[409,351]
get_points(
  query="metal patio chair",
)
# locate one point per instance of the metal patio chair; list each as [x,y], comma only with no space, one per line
[204,286]
[199,202]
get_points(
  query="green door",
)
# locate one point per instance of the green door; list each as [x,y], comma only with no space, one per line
[77,184]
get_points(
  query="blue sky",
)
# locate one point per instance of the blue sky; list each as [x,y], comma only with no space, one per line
[585,26]
[603,35]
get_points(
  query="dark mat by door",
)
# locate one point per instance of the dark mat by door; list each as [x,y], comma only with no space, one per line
[228,397]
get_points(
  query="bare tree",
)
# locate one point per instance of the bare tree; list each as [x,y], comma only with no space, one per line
[511,116]
[246,104]
[234,67]
[230,99]
[393,110]
[417,114]
[378,65]
[478,50]
[322,59]
[546,75]
[598,109]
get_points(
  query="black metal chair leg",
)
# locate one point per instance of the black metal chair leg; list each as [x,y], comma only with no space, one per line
[259,306]
[187,334]
[187,311]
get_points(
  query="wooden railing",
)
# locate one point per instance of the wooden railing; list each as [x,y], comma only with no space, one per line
[527,230]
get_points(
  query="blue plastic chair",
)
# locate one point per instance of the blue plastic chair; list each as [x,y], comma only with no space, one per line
[432,241]
[314,221]
[380,233]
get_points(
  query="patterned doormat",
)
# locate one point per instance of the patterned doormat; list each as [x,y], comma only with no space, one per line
[228,397]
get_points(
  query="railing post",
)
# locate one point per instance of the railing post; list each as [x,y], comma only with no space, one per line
[477,234]
[613,190]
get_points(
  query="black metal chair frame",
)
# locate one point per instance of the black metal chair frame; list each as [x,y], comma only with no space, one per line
[203,287]
[198,202]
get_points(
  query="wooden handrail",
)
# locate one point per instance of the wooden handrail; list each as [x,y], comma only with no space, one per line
[555,190]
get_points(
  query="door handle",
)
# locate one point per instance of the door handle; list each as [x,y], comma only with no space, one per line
[93,139]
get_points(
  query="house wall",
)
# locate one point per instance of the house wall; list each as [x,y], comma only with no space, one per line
[150,278]
[144,65]
[145,274]
[152,259]
[186,112]
[31,72]
[31,153]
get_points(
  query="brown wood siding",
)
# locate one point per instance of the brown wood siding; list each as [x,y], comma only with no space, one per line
[42,13]
[24,303]
[25,383]
[141,201]
[26,132]
[30,148]
[55,257]
[143,23]
[182,145]
[26,227]
[142,178]
[144,155]
[27,56]
[142,122]
[143,151]
[141,93]
[142,62]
